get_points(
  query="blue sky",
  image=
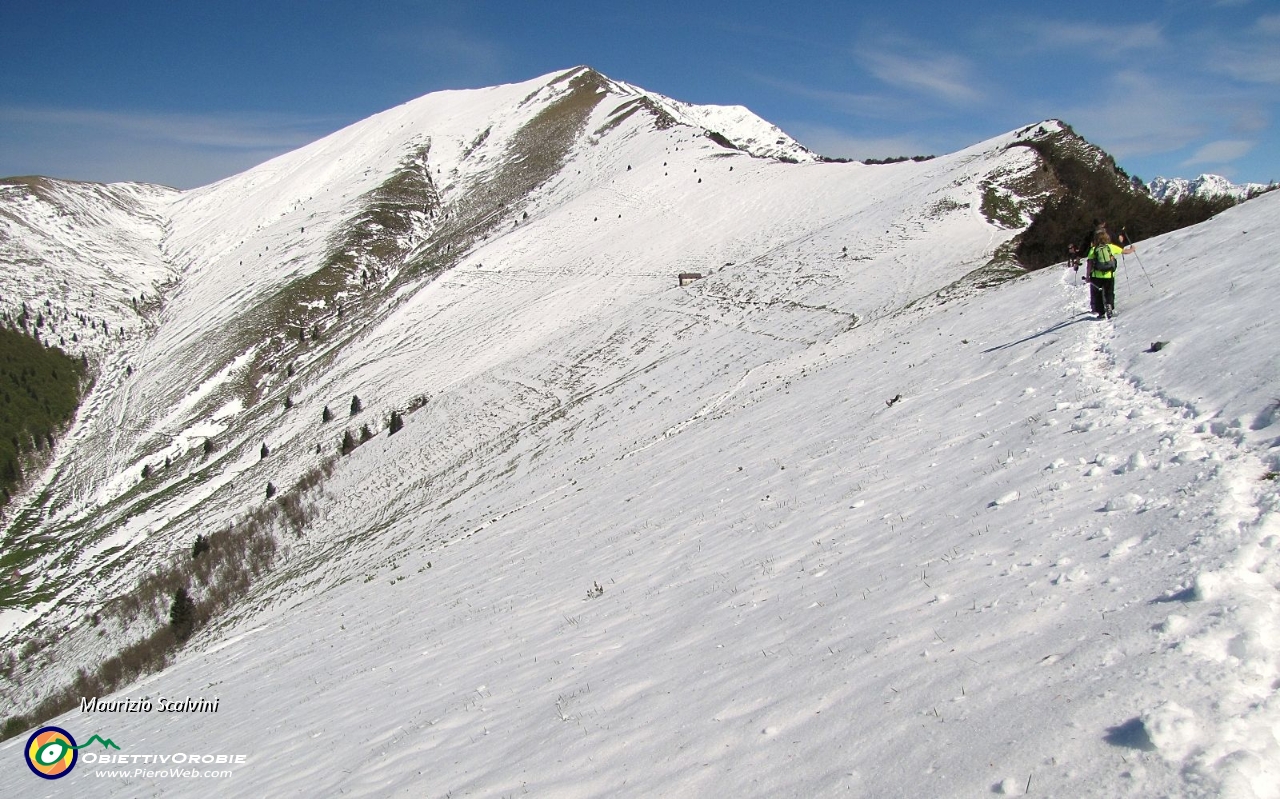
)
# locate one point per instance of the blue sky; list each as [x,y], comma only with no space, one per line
[186,93]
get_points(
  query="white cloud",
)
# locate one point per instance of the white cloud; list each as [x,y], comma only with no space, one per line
[176,149]
[943,76]
[1220,152]
[835,143]
[230,131]
[1142,116]
[1253,56]
[1255,66]
[1097,40]
[1151,116]
[868,105]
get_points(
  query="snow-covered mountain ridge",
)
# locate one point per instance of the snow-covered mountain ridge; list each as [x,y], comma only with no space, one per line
[271,258]
[1173,189]
[830,487]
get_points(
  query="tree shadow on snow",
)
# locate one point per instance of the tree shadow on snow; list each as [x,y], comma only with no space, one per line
[1082,317]
[1130,735]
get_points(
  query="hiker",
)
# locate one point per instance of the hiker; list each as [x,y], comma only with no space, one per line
[1102,271]
[1073,257]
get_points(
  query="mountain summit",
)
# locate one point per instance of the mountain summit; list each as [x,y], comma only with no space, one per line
[560,437]
[1173,189]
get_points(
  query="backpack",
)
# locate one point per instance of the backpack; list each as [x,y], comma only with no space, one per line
[1102,248]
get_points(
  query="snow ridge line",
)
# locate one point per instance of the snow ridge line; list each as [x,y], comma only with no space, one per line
[1228,629]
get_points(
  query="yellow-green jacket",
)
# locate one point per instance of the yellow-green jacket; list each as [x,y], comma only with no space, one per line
[1103,268]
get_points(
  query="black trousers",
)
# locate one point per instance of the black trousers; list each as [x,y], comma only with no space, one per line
[1102,294]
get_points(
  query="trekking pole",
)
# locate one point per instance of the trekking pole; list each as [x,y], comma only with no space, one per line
[1123,239]
[1135,255]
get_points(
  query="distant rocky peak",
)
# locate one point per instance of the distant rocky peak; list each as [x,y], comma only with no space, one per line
[1203,186]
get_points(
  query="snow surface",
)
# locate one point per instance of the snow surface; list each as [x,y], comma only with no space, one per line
[855,534]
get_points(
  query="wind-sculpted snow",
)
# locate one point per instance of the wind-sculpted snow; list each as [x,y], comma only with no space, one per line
[838,517]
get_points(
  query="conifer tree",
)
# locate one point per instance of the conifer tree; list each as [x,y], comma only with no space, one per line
[182,615]
[200,546]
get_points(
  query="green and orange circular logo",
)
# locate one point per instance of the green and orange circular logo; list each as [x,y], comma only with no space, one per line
[51,753]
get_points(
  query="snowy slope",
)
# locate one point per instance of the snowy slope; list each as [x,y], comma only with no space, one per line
[1030,569]
[629,210]
[746,130]
[1050,561]
[82,253]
